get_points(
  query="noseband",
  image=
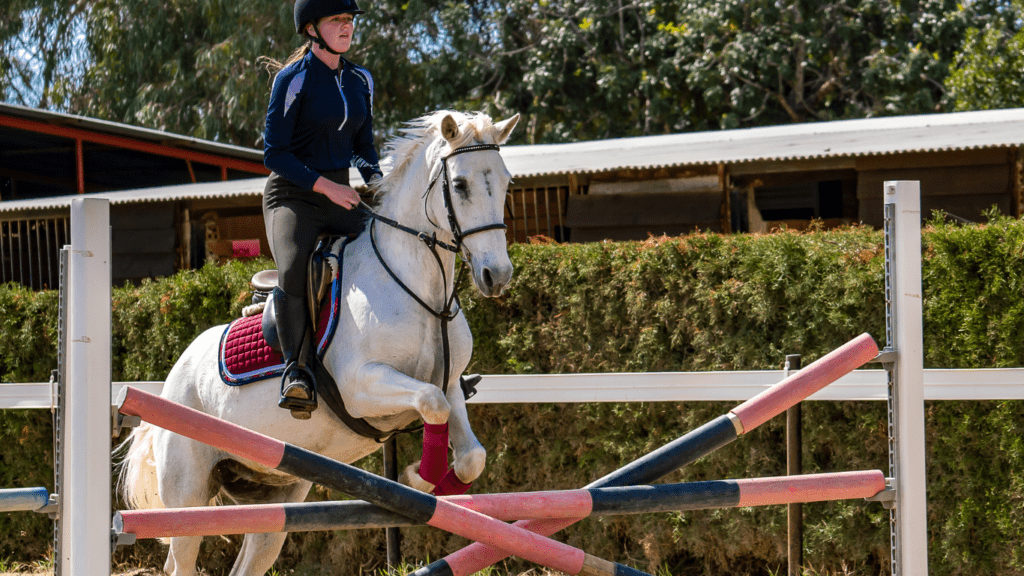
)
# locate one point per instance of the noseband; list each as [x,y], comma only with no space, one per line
[452,308]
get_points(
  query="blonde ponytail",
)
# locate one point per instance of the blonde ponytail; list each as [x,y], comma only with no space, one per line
[272,66]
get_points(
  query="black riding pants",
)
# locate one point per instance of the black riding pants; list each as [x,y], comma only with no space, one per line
[295,218]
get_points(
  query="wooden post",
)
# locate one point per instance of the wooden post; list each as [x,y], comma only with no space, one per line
[794,467]
[80,165]
[1016,181]
[725,216]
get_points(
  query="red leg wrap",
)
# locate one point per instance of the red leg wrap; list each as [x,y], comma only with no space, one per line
[450,485]
[434,463]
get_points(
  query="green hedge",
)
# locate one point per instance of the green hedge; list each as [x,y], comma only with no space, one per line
[700,302]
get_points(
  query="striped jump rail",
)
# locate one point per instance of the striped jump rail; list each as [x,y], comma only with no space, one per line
[685,449]
[23,499]
[350,515]
[420,507]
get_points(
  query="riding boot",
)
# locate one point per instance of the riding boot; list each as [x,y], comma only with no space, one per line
[298,387]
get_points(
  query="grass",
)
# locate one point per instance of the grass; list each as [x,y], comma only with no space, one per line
[7,565]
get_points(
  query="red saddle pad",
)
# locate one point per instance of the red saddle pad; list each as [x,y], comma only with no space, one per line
[245,355]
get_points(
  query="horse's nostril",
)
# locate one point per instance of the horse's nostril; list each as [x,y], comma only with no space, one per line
[488,281]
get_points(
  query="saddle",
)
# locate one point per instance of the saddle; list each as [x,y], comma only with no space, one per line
[250,349]
[323,268]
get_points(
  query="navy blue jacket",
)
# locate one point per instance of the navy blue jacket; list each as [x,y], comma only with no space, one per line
[320,121]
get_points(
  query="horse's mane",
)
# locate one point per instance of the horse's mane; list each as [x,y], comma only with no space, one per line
[402,149]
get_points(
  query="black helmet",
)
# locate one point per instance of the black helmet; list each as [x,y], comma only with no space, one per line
[307,11]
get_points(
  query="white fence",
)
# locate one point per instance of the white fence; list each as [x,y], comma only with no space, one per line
[939,384]
[85,496]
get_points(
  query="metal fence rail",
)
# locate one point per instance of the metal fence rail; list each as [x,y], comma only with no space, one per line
[30,251]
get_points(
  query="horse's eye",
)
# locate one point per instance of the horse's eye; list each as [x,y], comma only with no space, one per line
[461,186]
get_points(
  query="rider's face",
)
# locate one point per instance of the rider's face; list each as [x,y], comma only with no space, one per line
[337,31]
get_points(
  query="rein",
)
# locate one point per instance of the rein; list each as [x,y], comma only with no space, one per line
[447,313]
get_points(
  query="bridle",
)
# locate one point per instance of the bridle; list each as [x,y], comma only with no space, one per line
[453,222]
[458,235]
[452,307]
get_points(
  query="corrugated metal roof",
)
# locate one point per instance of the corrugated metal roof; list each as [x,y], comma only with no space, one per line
[204,190]
[845,138]
[128,131]
[851,138]
[222,189]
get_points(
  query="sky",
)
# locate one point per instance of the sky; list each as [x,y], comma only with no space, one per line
[24,50]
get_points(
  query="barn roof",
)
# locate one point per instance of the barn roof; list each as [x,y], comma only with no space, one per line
[45,153]
[844,138]
[61,120]
[200,191]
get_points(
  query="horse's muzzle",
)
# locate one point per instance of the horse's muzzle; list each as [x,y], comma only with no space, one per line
[491,280]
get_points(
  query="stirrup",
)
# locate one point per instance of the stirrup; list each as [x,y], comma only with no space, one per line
[298,395]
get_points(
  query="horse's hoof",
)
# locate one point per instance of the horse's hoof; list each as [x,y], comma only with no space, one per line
[411,478]
[301,415]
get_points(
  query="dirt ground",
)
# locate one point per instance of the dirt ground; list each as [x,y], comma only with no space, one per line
[147,572]
[137,572]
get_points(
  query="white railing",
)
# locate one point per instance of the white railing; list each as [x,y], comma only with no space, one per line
[939,384]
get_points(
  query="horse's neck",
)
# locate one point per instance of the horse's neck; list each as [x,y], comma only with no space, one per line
[408,256]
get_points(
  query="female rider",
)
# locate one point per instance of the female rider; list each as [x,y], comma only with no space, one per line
[319,123]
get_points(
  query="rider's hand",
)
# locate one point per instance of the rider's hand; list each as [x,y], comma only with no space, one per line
[342,195]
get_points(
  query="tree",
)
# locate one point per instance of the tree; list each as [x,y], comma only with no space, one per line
[184,67]
[608,68]
[577,70]
[42,59]
[988,74]
[192,67]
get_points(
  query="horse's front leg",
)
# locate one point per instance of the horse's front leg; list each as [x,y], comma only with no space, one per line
[469,455]
[380,391]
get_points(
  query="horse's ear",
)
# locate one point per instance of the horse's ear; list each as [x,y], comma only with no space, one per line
[505,129]
[449,128]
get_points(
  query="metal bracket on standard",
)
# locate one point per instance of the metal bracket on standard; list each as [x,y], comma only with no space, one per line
[52,507]
[120,421]
[120,539]
[887,358]
[887,496]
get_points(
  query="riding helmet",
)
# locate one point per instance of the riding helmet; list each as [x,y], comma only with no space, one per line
[307,11]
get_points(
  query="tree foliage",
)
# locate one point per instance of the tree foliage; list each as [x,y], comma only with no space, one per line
[577,70]
[41,53]
[988,73]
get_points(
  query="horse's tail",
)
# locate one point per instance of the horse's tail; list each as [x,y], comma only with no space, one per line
[137,476]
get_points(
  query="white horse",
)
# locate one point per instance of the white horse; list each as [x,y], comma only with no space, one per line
[386,354]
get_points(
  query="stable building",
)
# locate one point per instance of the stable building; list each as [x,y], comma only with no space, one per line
[47,158]
[757,179]
[751,180]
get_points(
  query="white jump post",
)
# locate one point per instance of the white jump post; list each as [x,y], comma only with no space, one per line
[85,500]
[904,338]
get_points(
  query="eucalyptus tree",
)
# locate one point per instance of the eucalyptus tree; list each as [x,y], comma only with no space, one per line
[42,53]
[607,68]
[576,69]
[194,67]
[988,73]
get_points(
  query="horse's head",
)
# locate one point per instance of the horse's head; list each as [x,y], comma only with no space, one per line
[473,207]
